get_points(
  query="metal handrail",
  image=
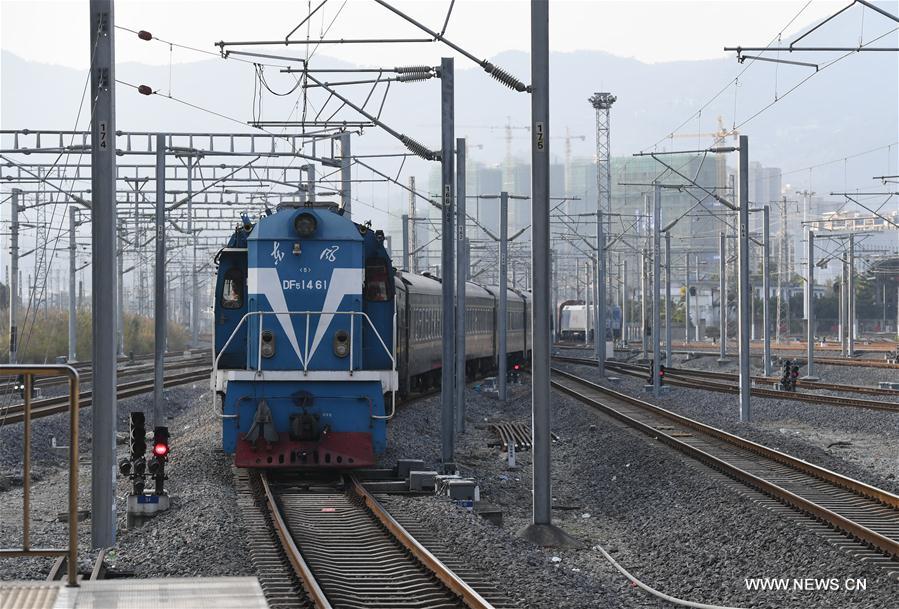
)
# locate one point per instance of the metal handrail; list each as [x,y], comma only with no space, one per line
[305,357]
[28,373]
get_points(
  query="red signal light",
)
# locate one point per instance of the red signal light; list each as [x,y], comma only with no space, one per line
[516,367]
[160,449]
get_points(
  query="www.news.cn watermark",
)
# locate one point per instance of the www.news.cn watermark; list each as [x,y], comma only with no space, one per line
[806,584]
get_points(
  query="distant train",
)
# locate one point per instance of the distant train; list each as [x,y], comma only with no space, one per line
[574,322]
[315,332]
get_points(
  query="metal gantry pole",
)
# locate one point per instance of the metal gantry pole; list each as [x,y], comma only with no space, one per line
[599,332]
[667,298]
[541,530]
[120,289]
[346,182]
[194,288]
[722,297]
[310,181]
[413,243]
[644,303]
[687,298]
[555,287]
[766,290]
[588,296]
[159,291]
[73,309]
[14,276]
[502,312]
[461,278]
[103,274]
[844,306]
[851,284]
[656,288]
[448,376]
[624,312]
[407,263]
[810,307]
[744,291]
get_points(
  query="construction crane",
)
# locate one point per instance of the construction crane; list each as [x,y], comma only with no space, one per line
[720,135]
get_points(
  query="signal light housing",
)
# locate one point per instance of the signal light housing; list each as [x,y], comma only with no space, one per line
[161,442]
[341,343]
[305,224]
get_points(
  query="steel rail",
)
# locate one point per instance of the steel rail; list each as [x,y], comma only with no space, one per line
[689,379]
[55,405]
[449,579]
[310,584]
[842,523]
[683,378]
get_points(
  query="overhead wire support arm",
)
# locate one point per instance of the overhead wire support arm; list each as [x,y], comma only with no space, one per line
[249,43]
[413,145]
[307,18]
[793,48]
[718,198]
[494,71]
[742,58]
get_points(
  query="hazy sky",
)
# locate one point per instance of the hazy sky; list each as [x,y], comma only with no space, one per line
[54,31]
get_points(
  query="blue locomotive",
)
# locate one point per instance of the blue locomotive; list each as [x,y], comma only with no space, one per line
[315,332]
[304,341]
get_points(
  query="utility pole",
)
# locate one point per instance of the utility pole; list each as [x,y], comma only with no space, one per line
[810,307]
[159,304]
[851,284]
[448,376]
[14,277]
[766,289]
[722,298]
[461,278]
[744,290]
[502,312]
[541,530]
[73,312]
[103,275]
[346,177]
[667,298]
[656,280]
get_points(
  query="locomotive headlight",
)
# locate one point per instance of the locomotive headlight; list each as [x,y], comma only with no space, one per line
[305,224]
[268,343]
[341,343]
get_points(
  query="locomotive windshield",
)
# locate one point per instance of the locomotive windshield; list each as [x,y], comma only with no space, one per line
[377,280]
[232,291]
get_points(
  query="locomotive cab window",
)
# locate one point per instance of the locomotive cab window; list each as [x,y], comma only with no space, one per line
[378,286]
[232,291]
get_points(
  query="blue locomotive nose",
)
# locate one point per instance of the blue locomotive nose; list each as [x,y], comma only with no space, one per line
[317,344]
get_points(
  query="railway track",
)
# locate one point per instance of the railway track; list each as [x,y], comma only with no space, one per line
[864,513]
[699,379]
[15,413]
[348,551]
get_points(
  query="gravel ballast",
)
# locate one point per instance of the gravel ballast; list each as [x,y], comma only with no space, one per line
[199,536]
[672,524]
[857,442]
